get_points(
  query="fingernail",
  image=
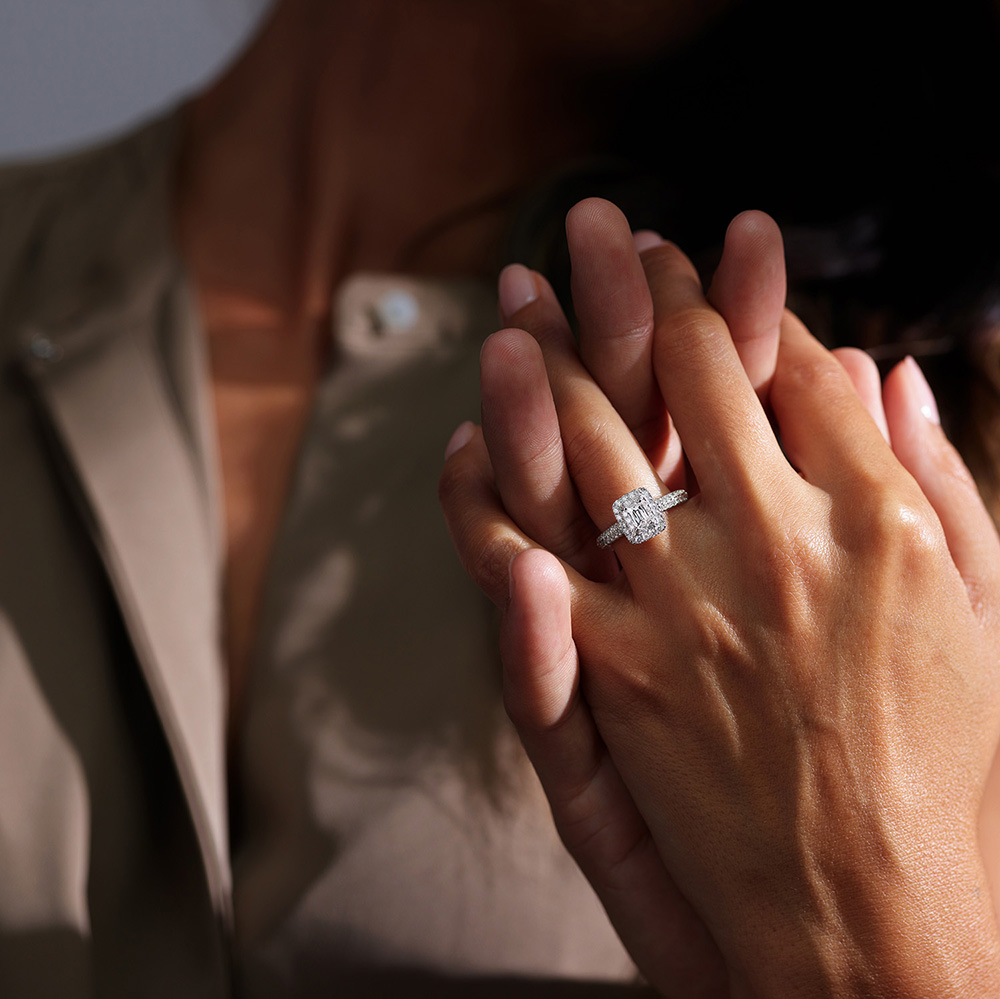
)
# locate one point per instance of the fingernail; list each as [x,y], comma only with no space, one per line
[924,395]
[460,438]
[517,288]
[646,239]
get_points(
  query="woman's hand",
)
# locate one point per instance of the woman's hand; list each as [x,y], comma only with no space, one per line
[792,679]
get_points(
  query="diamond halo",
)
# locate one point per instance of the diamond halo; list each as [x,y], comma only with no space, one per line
[639,516]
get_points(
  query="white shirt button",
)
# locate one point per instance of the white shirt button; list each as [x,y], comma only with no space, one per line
[396,312]
[42,348]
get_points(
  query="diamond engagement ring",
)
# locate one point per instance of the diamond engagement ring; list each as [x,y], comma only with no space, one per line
[640,516]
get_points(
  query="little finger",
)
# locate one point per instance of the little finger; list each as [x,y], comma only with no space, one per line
[925,452]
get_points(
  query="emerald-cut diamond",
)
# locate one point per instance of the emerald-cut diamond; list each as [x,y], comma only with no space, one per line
[639,515]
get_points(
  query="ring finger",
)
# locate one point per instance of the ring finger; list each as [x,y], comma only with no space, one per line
[521,429]
[601,454]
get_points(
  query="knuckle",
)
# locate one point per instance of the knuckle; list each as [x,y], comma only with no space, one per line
[950,468]
[588,445]
[794,569]
[798,551]
[692,326]
[541,448]
[815,376]
[897,523]
[904,524]
[487,558]
[638,690]
[639,332]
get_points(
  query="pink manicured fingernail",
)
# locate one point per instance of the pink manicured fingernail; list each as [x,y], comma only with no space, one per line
[517,288]
[460,438]
[646,239]
[925,397]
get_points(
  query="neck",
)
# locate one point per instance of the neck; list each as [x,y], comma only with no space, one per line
[344,133]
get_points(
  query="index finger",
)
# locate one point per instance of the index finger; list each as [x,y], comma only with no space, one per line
[722,426]
[749,289]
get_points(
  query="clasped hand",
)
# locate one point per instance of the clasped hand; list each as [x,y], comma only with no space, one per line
[766,733]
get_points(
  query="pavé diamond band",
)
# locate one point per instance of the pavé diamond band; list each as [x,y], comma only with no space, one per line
[640,516]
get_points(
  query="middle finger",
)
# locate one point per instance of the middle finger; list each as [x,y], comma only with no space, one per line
[725,433]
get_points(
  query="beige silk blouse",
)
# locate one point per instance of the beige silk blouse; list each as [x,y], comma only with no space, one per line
[389,837]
